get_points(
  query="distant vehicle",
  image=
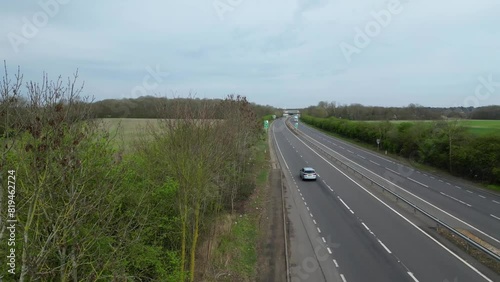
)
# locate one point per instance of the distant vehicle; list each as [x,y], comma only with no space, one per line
[308,173]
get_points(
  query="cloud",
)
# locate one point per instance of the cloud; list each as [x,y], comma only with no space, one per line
[275,52]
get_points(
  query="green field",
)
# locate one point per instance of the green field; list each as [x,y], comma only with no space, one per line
[127,130]
[476,127]
[482,127]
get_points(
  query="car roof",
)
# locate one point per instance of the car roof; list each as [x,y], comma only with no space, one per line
[307,168]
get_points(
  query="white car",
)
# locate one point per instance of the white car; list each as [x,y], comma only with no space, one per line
[308,173]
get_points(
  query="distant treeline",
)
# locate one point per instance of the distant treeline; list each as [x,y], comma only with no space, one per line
[411,112]
[442,144]
[148,107]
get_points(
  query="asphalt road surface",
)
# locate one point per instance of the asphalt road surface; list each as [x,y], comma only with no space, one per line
[473,209]
[342,231]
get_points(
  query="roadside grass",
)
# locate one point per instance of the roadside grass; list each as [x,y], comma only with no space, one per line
[237,250]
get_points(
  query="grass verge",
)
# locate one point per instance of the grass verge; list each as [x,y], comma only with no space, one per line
[235,258]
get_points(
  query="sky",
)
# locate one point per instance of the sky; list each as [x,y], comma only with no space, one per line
[284,53]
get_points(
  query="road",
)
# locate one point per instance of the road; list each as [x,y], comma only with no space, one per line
[351,233]
[460,205]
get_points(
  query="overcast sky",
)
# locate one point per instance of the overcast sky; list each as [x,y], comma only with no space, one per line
[285,53]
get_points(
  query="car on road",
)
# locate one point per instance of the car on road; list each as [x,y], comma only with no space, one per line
[308,173]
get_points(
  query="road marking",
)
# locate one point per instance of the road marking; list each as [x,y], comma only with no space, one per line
[307,208]
[425,174]
[345,205]
[448,183]
[329,251]
[365,226]
[343,278]
[482,196]
[314,222]
[300,194]
[418,171]
[362,157]
[305,203]
[319,231]
[324,241]
[496,202]
[470,191]
[426,186]
[462,202]
[336,264]
[341,147]
[458,187]
[302,198]
[387,249]
[440,180]
[374,162]
[412,276]
[350,151]
[433,177]
[392,171]
[495,217]
[311,214]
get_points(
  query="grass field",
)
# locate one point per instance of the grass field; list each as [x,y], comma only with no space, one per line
[127,130]
[474,126]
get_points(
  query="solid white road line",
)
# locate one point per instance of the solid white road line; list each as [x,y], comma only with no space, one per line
[462,202]
[426,186]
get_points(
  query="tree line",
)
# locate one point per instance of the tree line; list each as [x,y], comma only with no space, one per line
[84,214]
[141,107]
[326,109]
[443,144]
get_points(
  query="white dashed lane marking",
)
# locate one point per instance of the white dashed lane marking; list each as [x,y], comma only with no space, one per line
[420,183]
[387,249]
[460,201]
